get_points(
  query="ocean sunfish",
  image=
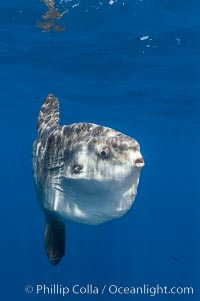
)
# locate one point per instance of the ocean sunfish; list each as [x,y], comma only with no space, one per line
[83,173]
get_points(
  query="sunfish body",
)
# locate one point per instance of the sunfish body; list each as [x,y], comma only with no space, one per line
[83,172]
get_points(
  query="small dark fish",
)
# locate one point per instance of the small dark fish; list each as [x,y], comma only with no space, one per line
[173,257]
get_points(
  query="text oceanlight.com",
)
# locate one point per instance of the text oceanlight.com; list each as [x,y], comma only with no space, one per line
[110,289]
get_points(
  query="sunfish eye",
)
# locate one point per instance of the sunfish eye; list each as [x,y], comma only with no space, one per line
[103,153]
[118,150]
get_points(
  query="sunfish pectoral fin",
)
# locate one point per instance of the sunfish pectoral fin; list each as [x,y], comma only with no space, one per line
[54,239]
[48,118]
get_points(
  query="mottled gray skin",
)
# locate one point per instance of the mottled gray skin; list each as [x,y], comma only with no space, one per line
[79,171]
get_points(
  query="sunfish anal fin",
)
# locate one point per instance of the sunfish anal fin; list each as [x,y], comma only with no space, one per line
[54,239]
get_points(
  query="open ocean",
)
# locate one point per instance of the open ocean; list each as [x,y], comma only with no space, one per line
[132,65]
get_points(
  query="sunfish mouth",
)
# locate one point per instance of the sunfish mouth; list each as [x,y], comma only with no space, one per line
[139,162]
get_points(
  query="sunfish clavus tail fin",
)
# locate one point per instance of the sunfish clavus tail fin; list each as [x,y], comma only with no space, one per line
[48,118]
[54,239]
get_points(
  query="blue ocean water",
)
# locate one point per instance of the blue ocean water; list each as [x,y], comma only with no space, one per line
[131,65]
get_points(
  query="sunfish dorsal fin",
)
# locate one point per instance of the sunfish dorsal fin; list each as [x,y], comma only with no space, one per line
[48,118]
